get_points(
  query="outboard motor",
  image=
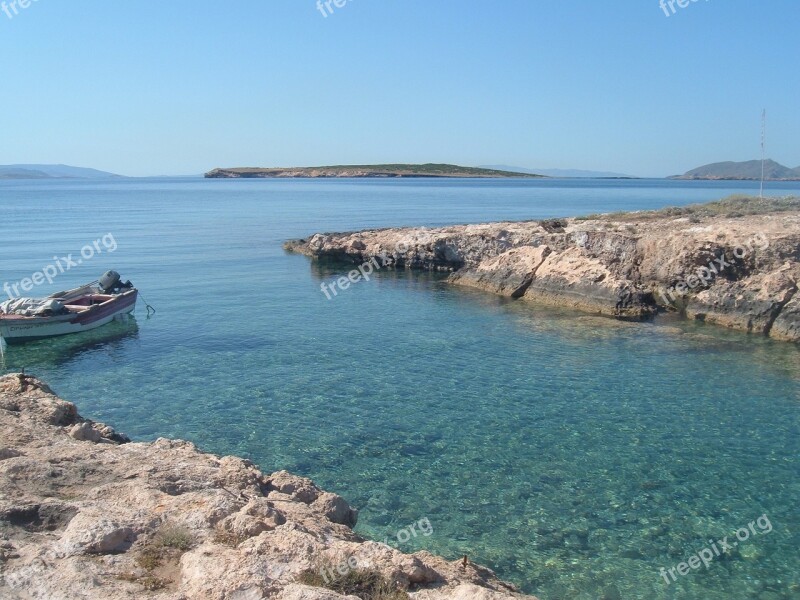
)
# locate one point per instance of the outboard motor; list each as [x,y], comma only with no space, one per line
[110,283]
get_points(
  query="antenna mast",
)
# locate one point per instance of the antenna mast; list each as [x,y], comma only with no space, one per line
[763,144]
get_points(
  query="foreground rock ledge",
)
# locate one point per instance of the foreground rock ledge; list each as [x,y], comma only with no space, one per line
[84,513]
[631,266]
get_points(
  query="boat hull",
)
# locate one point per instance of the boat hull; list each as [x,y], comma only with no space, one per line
[21,330]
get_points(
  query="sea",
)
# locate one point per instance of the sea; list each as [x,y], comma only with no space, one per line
[578,457]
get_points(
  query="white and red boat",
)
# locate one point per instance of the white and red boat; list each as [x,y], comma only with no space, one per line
[73,311]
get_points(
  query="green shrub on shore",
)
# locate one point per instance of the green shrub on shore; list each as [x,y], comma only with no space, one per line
[366,584]
[174,536]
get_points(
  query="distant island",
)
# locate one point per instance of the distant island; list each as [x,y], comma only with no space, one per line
[747,170]
[563,173]
[35,171]
[376,171]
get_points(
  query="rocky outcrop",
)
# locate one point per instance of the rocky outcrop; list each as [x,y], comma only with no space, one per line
[737,271]
[84,513]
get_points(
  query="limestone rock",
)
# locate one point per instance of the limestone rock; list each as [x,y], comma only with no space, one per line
[6,453]
[91,532]
[335,509]
[509,274]
[304,592]
[297,488]
[787,325]
[85,432]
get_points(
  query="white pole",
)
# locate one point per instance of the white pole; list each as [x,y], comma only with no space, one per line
[763,144]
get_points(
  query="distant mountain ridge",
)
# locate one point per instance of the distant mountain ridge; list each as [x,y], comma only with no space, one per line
[567,173]
[747,170]
[35,171]
[365,171]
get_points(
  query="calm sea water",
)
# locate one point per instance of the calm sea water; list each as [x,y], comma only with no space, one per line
[574,455]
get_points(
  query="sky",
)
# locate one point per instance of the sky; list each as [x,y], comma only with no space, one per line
[180,87]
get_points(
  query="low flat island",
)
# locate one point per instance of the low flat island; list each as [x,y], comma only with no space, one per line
[366,171]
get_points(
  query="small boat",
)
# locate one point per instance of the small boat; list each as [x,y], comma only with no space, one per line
[72,311]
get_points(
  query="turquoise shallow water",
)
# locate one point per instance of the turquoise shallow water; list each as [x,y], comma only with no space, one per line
[574,455]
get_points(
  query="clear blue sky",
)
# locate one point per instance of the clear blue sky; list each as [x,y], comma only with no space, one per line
[180,87]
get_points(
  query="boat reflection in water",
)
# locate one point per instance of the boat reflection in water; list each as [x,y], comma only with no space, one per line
[48,353]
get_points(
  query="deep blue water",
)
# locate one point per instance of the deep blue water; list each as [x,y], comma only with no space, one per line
[574,455]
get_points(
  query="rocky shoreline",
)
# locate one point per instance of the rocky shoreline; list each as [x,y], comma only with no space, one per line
[714,263]
[85,513]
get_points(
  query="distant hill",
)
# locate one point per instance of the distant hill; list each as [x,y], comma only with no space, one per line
[748,170]
[567,173]
[377,171]
[52,172]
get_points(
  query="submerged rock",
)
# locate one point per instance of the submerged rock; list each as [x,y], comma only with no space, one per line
[85,515]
